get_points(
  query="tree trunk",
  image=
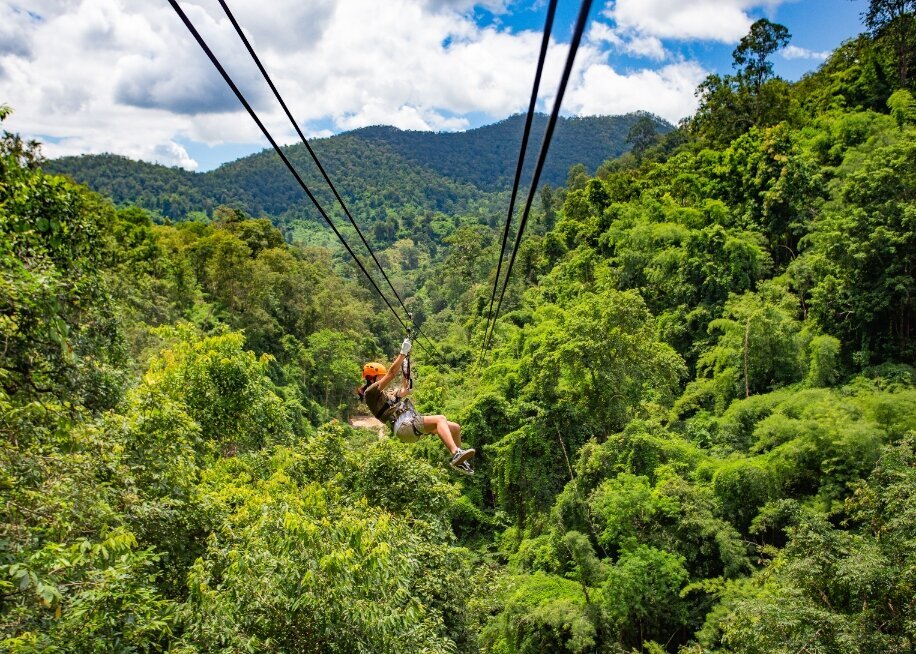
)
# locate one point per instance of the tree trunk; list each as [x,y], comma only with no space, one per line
[747,334]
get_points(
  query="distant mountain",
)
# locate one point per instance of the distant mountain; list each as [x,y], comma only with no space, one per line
[377,169]
[486,157]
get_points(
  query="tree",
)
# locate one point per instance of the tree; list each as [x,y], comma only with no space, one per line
[862,253]
[577,177]
[546,195]
[895,19]
[759,345]
[601,353]
[642,595]
[546,613]
[642,135]
[832,590]
[903,107]
[61,338]
[224,388]
[732,104]
[751,57]
[329,367]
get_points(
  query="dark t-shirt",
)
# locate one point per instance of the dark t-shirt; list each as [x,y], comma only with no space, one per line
[377,400]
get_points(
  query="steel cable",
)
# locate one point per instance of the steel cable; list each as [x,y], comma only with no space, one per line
[219,67]
[542,156]
[308,147]
[545,41]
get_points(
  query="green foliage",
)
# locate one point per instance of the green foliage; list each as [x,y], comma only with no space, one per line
[624,506]
[584,350]
[86,597]
[640,449]
[642,595]
[751,57]
[597,360]
[832,589]
[823,367]
[732,104]
[861,255]
[760,347]
[225,389]
[301,565]
[389,477]
[903,107]
[327,365]
[894,21]
[642,135]
[544,613]
[60,337]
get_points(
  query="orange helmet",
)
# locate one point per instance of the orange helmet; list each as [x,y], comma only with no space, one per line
[373,369]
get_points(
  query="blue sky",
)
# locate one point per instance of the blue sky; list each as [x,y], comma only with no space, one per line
[121,76]
[816,25]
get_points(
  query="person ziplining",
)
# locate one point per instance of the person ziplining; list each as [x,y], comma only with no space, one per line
[396,409]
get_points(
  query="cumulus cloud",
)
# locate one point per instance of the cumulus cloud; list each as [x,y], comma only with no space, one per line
[639,28]
[14,30]
[126,77]
[173,154]
[172,73]
[154,85]
[292,25]
[635,44]
[714,20]
[496,6]
[667,92]
[795,52]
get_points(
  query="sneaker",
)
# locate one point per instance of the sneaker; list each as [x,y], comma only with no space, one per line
[465,468]
[461,456]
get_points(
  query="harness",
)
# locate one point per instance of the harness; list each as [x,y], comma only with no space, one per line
[395,408]
[398,408]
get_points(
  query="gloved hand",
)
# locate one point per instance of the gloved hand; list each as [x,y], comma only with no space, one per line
[405,347]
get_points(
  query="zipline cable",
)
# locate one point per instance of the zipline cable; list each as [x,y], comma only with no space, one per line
[542,155]
[270,83]
[222,71]
[545,41]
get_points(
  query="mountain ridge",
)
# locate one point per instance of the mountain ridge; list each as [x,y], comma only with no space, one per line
[411,170]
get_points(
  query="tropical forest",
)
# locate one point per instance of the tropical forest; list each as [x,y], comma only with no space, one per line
[694,411]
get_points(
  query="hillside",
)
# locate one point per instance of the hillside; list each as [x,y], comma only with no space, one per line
[486,157]
[373,167]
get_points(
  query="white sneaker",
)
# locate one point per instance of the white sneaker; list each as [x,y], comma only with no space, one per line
[460,456]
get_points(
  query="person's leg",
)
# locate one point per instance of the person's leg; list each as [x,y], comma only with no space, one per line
[439,425]
[455,428]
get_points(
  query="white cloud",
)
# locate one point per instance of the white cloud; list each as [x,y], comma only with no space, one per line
[667,92]
[14,31]
[174,154]
[160,149]
[405,117]
[496,6]
[639,27]
[714,20]
[795,52]
[646,46]
[126,77]
[632,43]
[288,26]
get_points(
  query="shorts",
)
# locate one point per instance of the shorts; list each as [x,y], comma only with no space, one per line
[409,427]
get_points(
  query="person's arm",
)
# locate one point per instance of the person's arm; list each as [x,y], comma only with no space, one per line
[395,365]
[392,372]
